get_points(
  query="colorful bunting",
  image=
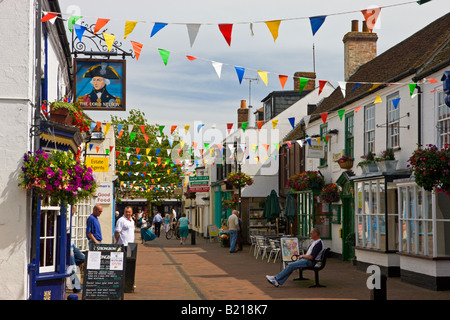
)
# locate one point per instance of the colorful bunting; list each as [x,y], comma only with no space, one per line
[303,82]
[244,126]
[164,55]
[129,27]
[192,32]
[218,67]
[259,124]
[274,123]
[343,86]
[273,28]
[49,16]
[100,24]
[157,27]
[161,129]
[263,76]
[71,21]
[79,31]
[357,109]
[282,80]
[292,122]
[377,99]
[229,126]
[172,129]
[316,23]
[322,84]
[371,16]
[324,116]
[240,73]
[191,58]
[109,39]
[341,113]
[137,47]
[395,102]
[226,30]
[412,87]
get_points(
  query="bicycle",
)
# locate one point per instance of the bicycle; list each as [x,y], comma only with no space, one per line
[173,231]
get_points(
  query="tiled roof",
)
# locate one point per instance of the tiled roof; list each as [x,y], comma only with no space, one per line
[419,54]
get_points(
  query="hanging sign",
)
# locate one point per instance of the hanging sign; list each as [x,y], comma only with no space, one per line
[99,84]
[314,149]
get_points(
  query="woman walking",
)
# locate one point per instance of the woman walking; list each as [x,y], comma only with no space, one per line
[183,225]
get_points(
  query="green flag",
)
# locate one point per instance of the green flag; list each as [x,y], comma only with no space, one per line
[303,82]
[164,55]
[244,126]
[161,129]
[132,135]
[412,87]
[341,113]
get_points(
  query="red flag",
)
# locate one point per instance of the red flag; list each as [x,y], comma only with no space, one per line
[229,126]
[100,24]
[191,58]
[98,149]
[137,150]
[172,129]
[282,80]
[146,138]
[120,133]
[324,116]
[259,123]
[111,148]
[289,144]
[226,30]
[321,85]
[117,154]
[49,16]
[371,16]
[143,129]
[357,109]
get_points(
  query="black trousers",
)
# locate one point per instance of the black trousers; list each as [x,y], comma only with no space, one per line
[157,228]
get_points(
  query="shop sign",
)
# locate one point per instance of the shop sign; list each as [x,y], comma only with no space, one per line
[315,150]
[105,193]
[98,164]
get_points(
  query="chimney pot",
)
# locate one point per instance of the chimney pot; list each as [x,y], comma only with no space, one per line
[364,26]
[242,113]
[243,104]
[355,25]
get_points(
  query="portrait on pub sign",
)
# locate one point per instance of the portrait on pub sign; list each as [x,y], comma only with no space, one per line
[100,84]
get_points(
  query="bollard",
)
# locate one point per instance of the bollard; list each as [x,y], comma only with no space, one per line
[380,293]
[72,297]
[192,237]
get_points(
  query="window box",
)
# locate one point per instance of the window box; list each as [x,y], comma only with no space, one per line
[387,166]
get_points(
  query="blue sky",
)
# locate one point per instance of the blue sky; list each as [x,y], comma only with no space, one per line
[187,91]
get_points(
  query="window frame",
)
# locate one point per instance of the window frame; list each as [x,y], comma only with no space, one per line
[367,130]
[444,123]
[323,134]
[349,139]
[393,122]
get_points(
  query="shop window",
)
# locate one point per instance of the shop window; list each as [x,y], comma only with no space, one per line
[312,214]
[376,219]
[393,110]
[443,123]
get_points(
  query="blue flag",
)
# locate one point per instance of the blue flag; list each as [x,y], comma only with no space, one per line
[158,26]
[240,72]
[316,23]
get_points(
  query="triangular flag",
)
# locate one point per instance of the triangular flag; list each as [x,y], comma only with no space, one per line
[316,23]
[137,47]
[186,128]
[218,67]
[432,80]
[273,28]
[109,39]
[132,135]
[356,86]
[263,76]
[161,130]
[107,127]
[71,21]
[138,150]
[322,84]
[129,27]
[192,31]
[374,86]
[142,128]
[226,30]
[229,126]
[98,149]
[289,143]
[158,26]
[292,122]
[341,113]
[378,99]
[324,116]
[259,124]
[191,58]
[146,138]
[79,31]
[119,127]
[343,86]
[303,82]
[357,109]
[172,129]
[395,102]
[159,139]
[199,127]
[240,73]
[49,16]
[306,120]
[130,128]
[164,55]
[100,24]
[120,133]
[282,80]
[412,87]
[371,16]
[244,126]
[274,123]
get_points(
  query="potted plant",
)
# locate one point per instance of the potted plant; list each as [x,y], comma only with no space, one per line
[431,169]
[330,193]
[345,162]
[239,179]
[69,113]
[229,204]
[306,180]
[386,161]
[57,175]
[368,164]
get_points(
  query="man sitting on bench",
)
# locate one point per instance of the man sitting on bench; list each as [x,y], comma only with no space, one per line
[305,260]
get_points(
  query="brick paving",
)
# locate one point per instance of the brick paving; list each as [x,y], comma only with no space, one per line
[166,270]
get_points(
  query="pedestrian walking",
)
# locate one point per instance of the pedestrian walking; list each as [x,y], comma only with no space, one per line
[183,226]
[233,226]
[93,228]
[157,220]
[166,222]
[125,227]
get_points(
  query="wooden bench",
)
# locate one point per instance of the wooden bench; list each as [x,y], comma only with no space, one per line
[320,264]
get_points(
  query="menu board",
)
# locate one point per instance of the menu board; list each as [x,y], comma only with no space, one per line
[104,272]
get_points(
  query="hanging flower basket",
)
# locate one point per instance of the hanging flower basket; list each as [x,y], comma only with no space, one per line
[306,180]
[330,193]
[229,204]
[431,168]
[345,162]
[69,114]
[57,175]
[239,179]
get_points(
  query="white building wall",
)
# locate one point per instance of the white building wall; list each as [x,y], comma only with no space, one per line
[16,101]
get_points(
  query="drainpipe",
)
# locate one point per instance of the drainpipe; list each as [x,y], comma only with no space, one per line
[419,115]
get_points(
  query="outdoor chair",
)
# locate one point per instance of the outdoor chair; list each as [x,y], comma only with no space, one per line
[262,247]
[253,244]
[275,250]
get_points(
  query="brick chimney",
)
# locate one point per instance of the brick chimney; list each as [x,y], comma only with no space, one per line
[310,85]
[359,48]
[242,113]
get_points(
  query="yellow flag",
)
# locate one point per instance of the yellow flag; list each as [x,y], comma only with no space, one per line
[147,150]
[129,26]
[109,39]
[186,128]
[274,123]
[318,140]
[107,127]
[273,28]
[254,147]
[263,76]
[378,99]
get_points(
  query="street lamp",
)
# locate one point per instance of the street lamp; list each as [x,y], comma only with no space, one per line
[238,157]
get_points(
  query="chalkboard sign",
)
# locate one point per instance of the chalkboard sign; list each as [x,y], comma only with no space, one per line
[104,272]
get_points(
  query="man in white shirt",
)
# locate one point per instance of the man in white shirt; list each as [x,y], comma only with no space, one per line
[233,226]
[313,254]
[124,232]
